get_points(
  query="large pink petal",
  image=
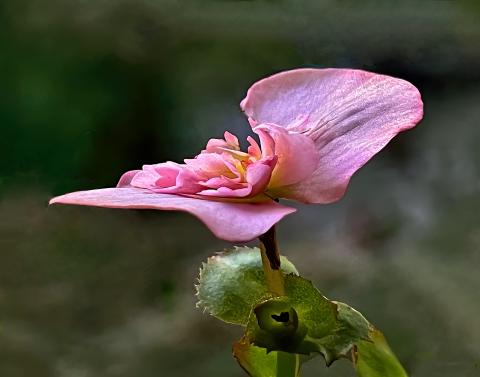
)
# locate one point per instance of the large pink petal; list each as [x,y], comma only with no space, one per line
[349,114]
[236,222]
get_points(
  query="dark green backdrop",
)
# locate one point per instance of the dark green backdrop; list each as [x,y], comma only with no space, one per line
[90,89]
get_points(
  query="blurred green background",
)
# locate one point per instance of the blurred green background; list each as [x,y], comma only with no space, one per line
[90,89]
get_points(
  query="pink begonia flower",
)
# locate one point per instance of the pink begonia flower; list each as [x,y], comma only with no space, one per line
[316,128]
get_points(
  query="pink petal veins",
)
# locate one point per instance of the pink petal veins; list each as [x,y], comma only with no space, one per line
[236,222]
[349,114]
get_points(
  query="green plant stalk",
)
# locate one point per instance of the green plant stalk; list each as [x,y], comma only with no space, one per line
[288,364]
[271,262]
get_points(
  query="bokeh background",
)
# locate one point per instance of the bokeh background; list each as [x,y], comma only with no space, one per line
[90,89]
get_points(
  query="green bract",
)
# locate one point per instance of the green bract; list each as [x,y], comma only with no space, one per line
[303,321]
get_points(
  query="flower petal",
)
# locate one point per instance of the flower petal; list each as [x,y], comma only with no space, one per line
[349,114]
[216,145]
[166,178]
[236,222]
[126,178]
[259,173]
[297,155]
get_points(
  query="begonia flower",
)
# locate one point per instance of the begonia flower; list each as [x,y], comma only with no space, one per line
[316,128]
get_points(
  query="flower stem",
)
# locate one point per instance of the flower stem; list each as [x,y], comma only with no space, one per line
[288,364]
[271,262]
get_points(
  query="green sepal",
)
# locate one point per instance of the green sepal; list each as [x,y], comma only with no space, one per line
[232,282]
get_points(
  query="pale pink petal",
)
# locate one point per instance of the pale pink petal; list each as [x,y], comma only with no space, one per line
[168,178]
[218,145]
[259,173]
[228,192]
[267,142]
[349,114]
[232,140]
[214,187]
[213,145]
[186,183]
[257,177]
[209,165]
[148,179]
[126,178]
[236,222]
[297,155]
[254,149]
[221,181]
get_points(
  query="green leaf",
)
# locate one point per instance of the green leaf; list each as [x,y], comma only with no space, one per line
[231,283]
[258,363]
[255,360]
[232,288]
[315,311]
[304,322]
[374,358]
[314,315]
[274,325]
[350,328]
